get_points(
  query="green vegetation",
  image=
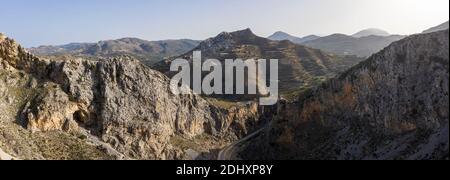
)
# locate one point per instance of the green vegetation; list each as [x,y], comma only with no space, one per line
[293,95]
[67,147]
[198,143]
[222,103]
[15,94]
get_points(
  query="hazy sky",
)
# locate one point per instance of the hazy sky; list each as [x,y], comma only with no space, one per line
[52,22]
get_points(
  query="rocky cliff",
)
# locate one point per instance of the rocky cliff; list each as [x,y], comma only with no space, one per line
[395,105]
[123,108]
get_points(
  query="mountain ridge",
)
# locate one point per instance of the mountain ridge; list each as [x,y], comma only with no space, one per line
[280,35]
[348,45]
[148,52]
[300,66]
[440,27]
[395,105]
[371,32]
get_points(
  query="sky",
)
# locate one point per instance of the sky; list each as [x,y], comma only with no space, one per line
[56,22]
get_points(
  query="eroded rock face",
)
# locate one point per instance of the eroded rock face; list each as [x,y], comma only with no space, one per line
[395,105]
[238,121]
[131,107]
[120,100]
[19,89]
[51,110]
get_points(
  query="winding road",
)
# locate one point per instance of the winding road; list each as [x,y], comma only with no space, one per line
[229,152]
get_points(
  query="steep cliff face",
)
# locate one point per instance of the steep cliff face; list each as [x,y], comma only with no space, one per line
[395,105]
[121,101]
[19,89]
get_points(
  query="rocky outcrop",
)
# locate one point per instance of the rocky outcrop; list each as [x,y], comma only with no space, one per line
[50,110]
[25,96]
[120,100]
[395,105]
[242,119]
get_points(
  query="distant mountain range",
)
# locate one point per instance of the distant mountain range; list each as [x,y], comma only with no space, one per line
[371,32]
[279,36]
[441,27]
[362,44]
[300,67]
[148,52]
[348,45]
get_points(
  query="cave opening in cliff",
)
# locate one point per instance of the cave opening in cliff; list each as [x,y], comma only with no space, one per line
[79,117]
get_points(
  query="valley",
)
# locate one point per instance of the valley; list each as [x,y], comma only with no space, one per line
[111,100]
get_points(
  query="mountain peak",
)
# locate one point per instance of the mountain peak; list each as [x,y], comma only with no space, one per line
[370,32]
[236,34]
[338,35]
[280,36]
[280,33]
[312,36]
[130,39]
[244,32]
[228,38]
[247,30]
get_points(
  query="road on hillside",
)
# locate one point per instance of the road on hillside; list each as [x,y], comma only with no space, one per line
[229,152]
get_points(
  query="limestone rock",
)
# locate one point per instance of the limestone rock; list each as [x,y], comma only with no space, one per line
[51,110]
[395,105]
[123,102]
